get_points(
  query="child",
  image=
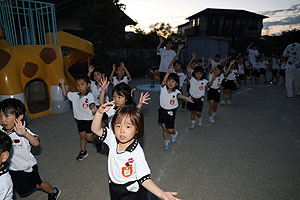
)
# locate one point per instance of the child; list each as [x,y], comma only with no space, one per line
[182,77]
[122,96]
[128,171]
[197,92]
[6,185]
[253,53]
[216,76]
[255,70]
[229,83]
[241,70]
[83,109]
[282,70]
[166,55]
[263,65]
[120,70]
[22,164]
[275,69]
[168,105]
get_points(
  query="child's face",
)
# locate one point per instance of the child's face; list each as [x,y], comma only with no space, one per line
[119,99]
[120,72]
[217,72]
[8,121]
[193,65]
[217,59]
[97,76]
[241,60]
[169,45]
[171,83]
[198,75]
[82,86]
[177,67]
[124,129]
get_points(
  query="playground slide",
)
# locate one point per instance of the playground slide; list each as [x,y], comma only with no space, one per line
[30,72]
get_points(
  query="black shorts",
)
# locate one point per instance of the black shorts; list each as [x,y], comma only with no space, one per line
[262,71]
[274,72]
[229,85]
[247,72]
[197,105]
[167,117]
[119,192]
[84,125]
[25,182]
[213,94]
[282,72]
[255,72]
[241,77]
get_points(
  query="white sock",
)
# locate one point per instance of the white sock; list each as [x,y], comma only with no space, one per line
[214,114]
[200,120]
[193,121]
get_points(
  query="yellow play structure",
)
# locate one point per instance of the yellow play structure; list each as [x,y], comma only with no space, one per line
[30,72]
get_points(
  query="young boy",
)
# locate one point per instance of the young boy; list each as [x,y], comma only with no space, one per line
[22,164]
[83,109]
[6,185]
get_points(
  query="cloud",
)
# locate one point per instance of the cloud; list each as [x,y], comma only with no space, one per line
[293,9]
[285,21]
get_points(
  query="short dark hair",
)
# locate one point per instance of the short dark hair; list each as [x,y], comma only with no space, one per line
[136,117]
[175,77]
[12,106]
[124,90]
[168,40]
[178,62]
[97,69]
[83,77]
[5,142]
[217,56]
[198,69]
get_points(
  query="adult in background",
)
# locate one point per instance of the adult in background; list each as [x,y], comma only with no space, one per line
[292,53]
[166,55]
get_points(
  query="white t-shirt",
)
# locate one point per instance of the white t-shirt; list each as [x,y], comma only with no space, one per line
[252,55]
[197,88]
[275,63]
[6,185]
[292,51]
[168,100]
[20,157]
[81,105]
[115,80]
[110,113]
[182,77]
[166,56]
[129,165]
[213,63]
[231,76]
[283,66]
[96,91]
[217,82]
[255,65]
[241,68]
[263,64]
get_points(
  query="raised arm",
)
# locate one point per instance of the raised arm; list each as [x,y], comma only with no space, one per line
[170,69]
[143,99]
[153,188]
[112,72]
[90,70]
[104,84]
[126,71]
[193,58]
[189,70]
[178,51]
[249,46]
[96,124]
[229,67]
[161,41]
[21,130]
[63,87]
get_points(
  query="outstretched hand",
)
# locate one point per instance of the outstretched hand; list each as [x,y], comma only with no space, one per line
[180,46]
[189,99]
[91,68]
[169,196]
[20,127]
[114,67]
[194,55]
[144,98]
[104,83]
[61,81]
[105,107]
[161,40]
[171,69]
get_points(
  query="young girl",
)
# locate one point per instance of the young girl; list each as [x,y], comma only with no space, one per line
[241,71]
[182,78]
[275,69]
[263,65]
[83,110]
[122,96]
[229,82]
[197,92]
[128,170]
[168,105]
[120,70]
[282,70]
[216,76]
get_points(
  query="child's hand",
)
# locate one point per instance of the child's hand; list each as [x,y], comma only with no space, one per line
[180,46]
[91,68]
[19,127]
[189,69]
[209,60]
[161,40]
[194,55]
[232,62]
[171,69]
[202,58]
[114,67]
[189,99]
[61,81]
[104,83]
[169,196]
[105,107]
[122,65]
[144,98]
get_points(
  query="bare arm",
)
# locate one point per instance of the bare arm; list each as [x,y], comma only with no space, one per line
[180,96]
[126,71]
[104,84]
[229,68]
[178,51]
[143,100]
[20,130]
[63,87]
[170,69]
[161,41]
[153,188]
[112,72]
[193,58]
[90,70]
[96,124]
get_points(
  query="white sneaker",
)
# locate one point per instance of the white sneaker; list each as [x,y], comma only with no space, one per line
[166,144]
[174,136]
[200,122]
[222,102]
[192,125]
[228,102]
[211,120]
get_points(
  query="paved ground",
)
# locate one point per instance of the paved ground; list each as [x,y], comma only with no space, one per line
[252,152]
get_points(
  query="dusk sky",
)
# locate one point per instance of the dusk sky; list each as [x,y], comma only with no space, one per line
[283,14]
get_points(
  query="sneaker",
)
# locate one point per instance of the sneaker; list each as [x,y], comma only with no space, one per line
[222,102]
[99,147]
[200,122]
[82,155]
[174,137]
[166,145]
[193,125]
[211,120]
[228,102]
[55,195]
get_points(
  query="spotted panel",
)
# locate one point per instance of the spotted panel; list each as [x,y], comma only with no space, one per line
[4,58]
[30,69]
[48,55]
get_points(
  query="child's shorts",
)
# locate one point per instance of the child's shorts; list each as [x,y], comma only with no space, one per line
[282,72]
[25,182]
[84,125]
[118,191]
[241,77]
[197,105]
[167,117]
[262,71]
[255,73]
[229,85]
[247,72]
[213,94]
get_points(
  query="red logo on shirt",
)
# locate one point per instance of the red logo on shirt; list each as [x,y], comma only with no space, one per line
[127,171]
[16,141]
[172,102]
[85,105]
[201,87]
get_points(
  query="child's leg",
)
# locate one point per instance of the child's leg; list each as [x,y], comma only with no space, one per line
[211,107]
[215,106]
[89,137]
[230,95]
[193,115]
[46,187]
[171,131]
[82,140]
[165,132]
